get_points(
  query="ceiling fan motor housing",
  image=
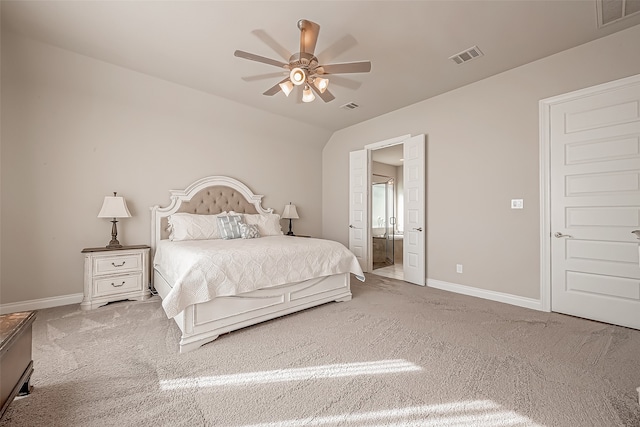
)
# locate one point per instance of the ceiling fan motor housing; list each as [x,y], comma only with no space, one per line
[302,63]
[304,60]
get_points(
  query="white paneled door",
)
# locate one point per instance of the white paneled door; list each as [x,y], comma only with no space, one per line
[595,204]
[358,203]
[414,249]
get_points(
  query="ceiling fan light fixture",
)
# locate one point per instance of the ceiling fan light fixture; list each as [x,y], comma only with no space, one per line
[297,76]
[307,95]
[286,87]
[321,84]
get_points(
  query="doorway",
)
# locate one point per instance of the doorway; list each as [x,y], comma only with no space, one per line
[413,216]
[387,211]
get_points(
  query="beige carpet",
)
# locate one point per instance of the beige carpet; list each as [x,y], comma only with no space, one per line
[396,355]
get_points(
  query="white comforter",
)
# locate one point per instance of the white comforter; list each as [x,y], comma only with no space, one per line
[200,270]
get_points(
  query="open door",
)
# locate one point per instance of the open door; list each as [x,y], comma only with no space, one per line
[414,251]
[358,205]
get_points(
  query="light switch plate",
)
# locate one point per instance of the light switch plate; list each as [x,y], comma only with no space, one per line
[517,204]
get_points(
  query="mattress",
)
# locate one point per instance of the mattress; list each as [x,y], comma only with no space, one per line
[201,270]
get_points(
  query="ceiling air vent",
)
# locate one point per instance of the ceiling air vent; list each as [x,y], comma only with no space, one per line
[350,106]
[610,11]
[467,55]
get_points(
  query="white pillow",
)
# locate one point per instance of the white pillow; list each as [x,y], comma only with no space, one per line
[186,226]
[268,224]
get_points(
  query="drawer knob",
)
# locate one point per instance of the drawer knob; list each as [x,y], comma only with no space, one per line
[117,286]
[119,265]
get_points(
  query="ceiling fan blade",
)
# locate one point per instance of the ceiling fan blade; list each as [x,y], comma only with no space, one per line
[337,48]
[298,94]
[258,58]
[326,96]
[273,44]
[275,88]
[349,67]
[345,82]
[263,76]
[308,35]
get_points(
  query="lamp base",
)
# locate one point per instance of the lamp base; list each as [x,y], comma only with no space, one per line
[290,233]
[114,243]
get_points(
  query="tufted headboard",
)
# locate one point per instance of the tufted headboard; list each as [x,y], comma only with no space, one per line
[216,199]
[207,196]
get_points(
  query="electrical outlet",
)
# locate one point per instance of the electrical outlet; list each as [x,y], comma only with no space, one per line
[458,268]
[517,204]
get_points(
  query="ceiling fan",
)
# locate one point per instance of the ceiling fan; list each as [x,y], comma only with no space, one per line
[304,69]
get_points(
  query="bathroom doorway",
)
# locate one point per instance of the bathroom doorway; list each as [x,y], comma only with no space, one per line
[383,220]
[386,211]
[410,189]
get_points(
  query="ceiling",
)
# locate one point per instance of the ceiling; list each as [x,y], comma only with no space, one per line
[408,44]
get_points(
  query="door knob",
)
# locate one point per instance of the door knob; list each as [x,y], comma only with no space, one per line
[637,233]
[351,226]
[559,235]
[418,229]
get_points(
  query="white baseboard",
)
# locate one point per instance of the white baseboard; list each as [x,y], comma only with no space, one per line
[38,304]
[531,303]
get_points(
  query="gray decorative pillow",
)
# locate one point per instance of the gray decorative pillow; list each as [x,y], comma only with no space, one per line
[230,226]
[249,231]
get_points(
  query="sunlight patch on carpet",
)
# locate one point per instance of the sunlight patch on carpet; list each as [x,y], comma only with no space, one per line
[294,374]
[476,413]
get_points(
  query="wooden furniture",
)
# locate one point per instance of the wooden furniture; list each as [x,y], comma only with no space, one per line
[114,275]
[16,365]
[204,322]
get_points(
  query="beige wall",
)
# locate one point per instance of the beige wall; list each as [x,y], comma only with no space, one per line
[482,151]
[75,129]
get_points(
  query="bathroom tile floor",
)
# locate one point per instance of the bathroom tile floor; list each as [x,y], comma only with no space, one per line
[393,272]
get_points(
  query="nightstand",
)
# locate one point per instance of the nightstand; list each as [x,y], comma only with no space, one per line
[114,275]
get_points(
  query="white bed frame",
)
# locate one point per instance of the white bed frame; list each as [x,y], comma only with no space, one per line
[204,322]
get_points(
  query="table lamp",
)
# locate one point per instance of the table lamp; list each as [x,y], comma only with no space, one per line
[290,213]
[114,207]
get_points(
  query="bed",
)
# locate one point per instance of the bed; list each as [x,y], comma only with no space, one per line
[208,286]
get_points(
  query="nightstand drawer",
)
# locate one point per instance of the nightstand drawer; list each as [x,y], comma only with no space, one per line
[118,284]
[117,263]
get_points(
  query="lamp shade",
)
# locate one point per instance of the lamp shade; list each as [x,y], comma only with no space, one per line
[114,207]
[290,212]
[321,84]
[286,87]
[307,95]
